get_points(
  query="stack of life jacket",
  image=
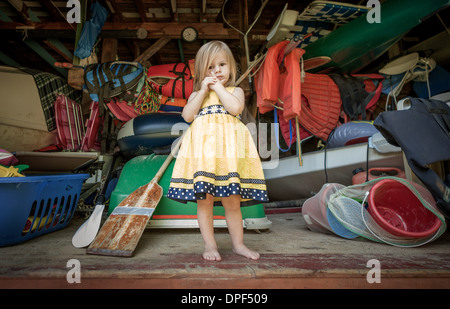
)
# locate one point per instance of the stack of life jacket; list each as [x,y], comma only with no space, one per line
[171,96]
[116,84]
[121,79]
[129,90]
[315,101]
[320,101]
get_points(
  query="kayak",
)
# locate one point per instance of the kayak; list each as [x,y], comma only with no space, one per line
[359,42]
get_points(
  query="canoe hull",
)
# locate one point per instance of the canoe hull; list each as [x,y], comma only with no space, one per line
[357,43]
[290,181]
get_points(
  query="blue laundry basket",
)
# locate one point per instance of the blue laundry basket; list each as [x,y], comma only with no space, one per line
[35,205]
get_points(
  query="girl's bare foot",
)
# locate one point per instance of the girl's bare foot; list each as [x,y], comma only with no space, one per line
[211,254]
[248,253]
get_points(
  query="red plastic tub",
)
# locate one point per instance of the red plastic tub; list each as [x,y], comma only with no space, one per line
[396,209]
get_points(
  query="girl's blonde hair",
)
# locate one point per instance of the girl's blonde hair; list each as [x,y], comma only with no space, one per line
[205,56]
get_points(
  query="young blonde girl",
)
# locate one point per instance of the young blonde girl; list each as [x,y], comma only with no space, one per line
[217,163]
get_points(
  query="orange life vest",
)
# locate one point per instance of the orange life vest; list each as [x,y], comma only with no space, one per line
[316,101]
[169,104]
[289,93]
[267,78]
[273,86]
[289,90]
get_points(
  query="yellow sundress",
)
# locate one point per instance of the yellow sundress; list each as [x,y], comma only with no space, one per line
[217,156]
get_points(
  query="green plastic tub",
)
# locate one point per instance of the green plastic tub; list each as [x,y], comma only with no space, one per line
[171,214]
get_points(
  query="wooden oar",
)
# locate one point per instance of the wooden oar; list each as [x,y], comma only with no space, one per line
[299,142]
[89,229]
[312,63]
[123,229]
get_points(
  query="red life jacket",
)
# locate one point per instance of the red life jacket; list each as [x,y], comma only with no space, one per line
[287,128]
[321,105]
[180,79]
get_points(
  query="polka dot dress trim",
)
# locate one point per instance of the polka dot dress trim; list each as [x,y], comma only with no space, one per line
[197,190]
[215,109]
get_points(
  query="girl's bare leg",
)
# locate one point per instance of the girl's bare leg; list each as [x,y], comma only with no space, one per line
[233,216]
[206,224]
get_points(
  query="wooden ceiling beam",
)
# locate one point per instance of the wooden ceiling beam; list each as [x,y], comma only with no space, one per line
[30,18]
[203,11]
[154,30]
[173,10]
[22,9]
[58,47]
[9,61]
[142,10]
[38,49]
[112,9]
[53,11]
[149,52]
[109,50]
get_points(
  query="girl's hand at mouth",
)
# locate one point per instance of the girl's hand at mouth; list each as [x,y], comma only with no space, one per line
[216,82]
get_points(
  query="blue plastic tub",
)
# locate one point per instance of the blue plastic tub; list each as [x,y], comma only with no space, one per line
[35,205]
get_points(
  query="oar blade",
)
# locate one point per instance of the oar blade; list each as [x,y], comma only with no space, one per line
[88,230]
[123,229]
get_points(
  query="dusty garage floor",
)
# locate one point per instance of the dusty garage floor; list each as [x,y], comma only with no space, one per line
[292,257]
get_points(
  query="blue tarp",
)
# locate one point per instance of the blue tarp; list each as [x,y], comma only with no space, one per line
[91,30]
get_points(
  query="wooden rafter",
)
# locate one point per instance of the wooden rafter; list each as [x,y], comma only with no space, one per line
[59,48]
[173,10]
[155,30]
[29,17]
[22,9]
[153,49]
[53,11]
[135,24]
[112,8]
[142,10]
[203,10]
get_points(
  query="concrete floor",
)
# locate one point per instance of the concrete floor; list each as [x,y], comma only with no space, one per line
[292,257]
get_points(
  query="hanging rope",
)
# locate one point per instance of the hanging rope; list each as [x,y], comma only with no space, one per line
[148,100]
